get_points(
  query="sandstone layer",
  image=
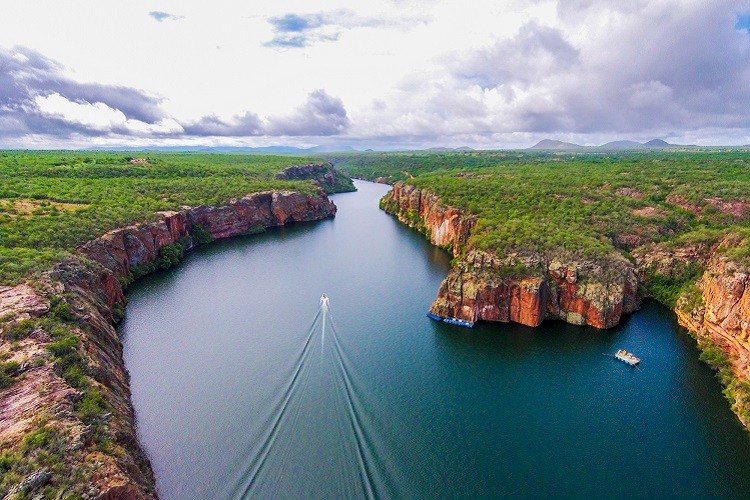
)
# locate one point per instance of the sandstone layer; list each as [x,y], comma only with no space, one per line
[522,288]
[102,450]
[721,318]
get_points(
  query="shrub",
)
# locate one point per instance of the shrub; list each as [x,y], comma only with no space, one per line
[200,235]
[91,405]
[19,330]
[38,438]
[7,370]
[169,256]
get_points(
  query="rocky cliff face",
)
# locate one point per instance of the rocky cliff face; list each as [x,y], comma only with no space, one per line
[122,249]
[446,226]
[45,396]
[720,319]
[524,289]
[327,177]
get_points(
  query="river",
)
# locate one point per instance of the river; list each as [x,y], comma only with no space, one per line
[387,403]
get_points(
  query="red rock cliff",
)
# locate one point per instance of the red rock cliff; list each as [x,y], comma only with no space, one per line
[485,287]
[93,291]
[721,318]
[122,249]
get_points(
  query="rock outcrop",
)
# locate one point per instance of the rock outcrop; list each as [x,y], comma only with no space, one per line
[720,318]
[101,447]
[324,174]
[522,288]
[580,292]
[122,249]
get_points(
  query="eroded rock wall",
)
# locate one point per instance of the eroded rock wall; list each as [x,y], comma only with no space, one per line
[123,249]
[524,289]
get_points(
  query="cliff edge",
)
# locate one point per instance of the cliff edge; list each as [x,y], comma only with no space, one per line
[525,288]
[67,425]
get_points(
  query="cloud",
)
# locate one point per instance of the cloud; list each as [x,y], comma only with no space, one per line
[244,126]
[36,98]
[164,16]
[295,30]
[533,52]
[477,73]
[320,115]
[302,30]
[661,65]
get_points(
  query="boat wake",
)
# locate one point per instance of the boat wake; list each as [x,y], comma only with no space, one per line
[347,454]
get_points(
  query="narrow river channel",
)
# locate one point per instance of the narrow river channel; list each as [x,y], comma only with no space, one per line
[239,393]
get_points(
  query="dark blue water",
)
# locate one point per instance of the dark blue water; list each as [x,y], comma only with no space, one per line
[387,403]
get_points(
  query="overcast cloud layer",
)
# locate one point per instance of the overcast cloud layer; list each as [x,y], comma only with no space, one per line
[380,73]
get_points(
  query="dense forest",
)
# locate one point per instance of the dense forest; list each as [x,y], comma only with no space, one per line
[52,201]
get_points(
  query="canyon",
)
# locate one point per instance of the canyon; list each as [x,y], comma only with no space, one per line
[98,454]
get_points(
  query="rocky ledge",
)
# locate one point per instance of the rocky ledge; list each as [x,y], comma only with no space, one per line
[523,288]
[67,425]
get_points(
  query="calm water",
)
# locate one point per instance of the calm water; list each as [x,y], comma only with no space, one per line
[231,403]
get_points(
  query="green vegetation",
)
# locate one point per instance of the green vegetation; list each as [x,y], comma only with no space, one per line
[200,235]
[736,390]
[52,201]
[7,370]
[589,204]
[43,449]
[667,289]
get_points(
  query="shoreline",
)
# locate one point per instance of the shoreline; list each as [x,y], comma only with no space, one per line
[71,382]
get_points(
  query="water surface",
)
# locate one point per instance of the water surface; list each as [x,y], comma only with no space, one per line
[391,404]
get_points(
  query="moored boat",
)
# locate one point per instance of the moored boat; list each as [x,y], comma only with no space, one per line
[627,357]
[459,322]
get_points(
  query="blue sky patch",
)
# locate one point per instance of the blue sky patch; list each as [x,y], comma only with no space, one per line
[743,22]
[163,16]
[292,23]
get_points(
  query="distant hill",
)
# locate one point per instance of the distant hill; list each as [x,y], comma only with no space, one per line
[652,144]
[448,150]
[553,144]
[230,149]
[622,145]
[658,143]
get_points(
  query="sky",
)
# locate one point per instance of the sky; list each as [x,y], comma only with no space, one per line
[382,74]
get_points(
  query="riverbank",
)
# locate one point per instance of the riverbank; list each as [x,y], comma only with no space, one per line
[64,432]
[67,425]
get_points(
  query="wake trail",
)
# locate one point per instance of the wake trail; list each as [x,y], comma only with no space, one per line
[295,420]
[347,455]
[384,419]
[359,436]
[257,463]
